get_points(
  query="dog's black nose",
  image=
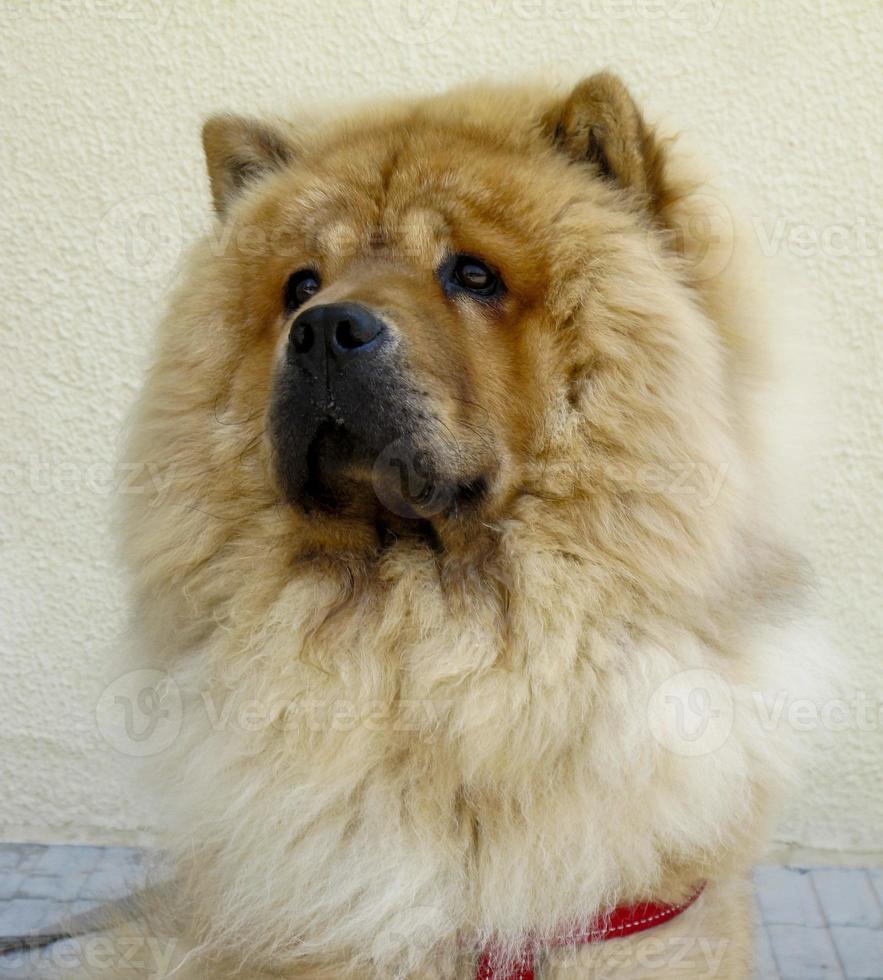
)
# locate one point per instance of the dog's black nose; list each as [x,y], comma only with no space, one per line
[337,331]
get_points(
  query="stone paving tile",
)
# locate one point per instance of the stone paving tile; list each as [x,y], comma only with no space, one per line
[876,876]
[39,885]
[68,859]
[786,897]
[9,857]
[108,883]
[10,883]
[804,953]
[764,963]
[31,855]
[19,916]
[62,888]
[860,951]
[847,897]
[114,856]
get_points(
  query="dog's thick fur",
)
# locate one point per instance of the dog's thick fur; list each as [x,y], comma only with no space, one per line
[467,737]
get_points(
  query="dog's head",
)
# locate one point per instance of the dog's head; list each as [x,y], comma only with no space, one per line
[418,316]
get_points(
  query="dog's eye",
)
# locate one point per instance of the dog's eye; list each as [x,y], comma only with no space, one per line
[473,275]
[300,287]
[469,274]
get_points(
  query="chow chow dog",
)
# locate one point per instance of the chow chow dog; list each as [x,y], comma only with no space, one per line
[465,562]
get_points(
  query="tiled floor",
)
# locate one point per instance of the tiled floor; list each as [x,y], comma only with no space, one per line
[40,886]
[820,923]
[814,923]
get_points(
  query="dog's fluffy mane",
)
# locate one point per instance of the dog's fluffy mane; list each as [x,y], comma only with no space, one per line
[463,741]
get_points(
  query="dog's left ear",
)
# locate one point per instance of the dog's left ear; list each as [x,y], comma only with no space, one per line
[239,151]
[599,124]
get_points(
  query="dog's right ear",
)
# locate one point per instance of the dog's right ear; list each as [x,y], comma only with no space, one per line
[239,151]
[599,125]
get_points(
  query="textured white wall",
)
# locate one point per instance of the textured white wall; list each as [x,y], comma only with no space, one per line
[102,184]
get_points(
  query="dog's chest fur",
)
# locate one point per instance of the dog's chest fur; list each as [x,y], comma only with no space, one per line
[452,764]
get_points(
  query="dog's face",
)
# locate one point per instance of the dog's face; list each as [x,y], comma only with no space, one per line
[397,293]
[404,328]
[418,312]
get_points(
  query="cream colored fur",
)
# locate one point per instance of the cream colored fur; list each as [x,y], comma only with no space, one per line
[475,745]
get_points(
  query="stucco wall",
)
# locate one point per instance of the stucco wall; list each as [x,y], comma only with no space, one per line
[102,183]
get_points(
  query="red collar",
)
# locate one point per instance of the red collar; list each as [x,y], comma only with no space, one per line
[621,921]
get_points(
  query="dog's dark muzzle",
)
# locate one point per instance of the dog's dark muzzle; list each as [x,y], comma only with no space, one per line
[340,400]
